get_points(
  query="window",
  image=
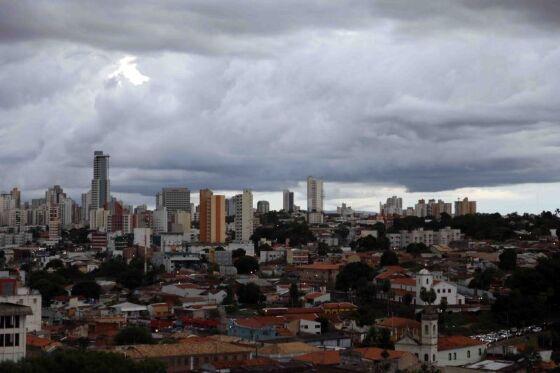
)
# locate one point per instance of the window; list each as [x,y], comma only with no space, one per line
[9,322]
[426,357]
[427,281]
[434,357]
[8,340]
[454,356]
[17,321]
[2,322]
[450,356]
[438,290]
[1,340]
[468,354]
[16,339]
[426,330]
[480,352]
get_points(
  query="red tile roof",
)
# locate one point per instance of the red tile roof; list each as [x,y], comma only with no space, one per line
[457,341]
[343,305]
[407,281]
[320,358]
[375,353]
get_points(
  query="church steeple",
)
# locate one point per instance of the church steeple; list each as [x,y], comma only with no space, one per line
[429,340]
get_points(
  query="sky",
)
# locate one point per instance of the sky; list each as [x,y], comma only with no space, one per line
[439,99]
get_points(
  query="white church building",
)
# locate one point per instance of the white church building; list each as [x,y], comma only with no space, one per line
[437,350]
[443,289]
[403,284]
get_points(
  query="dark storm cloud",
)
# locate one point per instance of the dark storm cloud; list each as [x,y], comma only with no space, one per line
[429,95]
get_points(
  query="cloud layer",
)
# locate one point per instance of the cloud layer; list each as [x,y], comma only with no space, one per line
[427,97]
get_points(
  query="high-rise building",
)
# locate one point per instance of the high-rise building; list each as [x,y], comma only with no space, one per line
[54,223]
[315,195]
[174,199]
[465,207]
[288,201]
[100,188]
[230,207]
[16,196]
[393,206]
[212,217]
[263,207]
[160,220]
[244,216]
[181,222]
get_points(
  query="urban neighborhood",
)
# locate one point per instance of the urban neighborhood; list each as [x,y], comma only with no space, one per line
[230,285]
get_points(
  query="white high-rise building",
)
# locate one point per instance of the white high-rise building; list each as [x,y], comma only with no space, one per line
[100,188]
[66,212]
[244,216]
[315,197]
[393,206]
[161,220]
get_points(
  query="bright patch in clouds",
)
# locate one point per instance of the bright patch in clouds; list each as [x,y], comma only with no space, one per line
[128,68]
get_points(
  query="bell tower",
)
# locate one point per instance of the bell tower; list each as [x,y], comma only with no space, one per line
[429,340]
[424,279]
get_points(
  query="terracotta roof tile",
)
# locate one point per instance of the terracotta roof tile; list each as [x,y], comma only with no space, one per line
[457,341]
[375,353]
[321,358]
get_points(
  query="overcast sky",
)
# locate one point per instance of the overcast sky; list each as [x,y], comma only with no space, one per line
[417,98]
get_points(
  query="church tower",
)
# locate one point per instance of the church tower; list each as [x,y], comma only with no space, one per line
[424,279]
[429,340]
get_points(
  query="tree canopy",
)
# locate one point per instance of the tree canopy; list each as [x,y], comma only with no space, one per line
[131,335]
[246,265]
[389,258]
[87,289]
[83,361]
[354,274]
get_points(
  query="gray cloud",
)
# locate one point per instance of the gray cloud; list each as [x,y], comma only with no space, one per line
[437,96]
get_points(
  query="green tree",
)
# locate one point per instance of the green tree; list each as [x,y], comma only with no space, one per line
[350,275]
[508,260]
[132,335]
[428,296]
[83,361]
[389,258]
[87,289]
[250,294]
[246,265]
[238,253]
[55,264]
[417,248]
[294,295]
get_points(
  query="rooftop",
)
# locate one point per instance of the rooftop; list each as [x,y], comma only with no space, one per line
[457,341]
[196,347]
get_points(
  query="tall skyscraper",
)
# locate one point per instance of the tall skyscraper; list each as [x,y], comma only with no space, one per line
[244,216]
[100,189]
[212,220]
[315,197]
[174,199]
[288,205]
